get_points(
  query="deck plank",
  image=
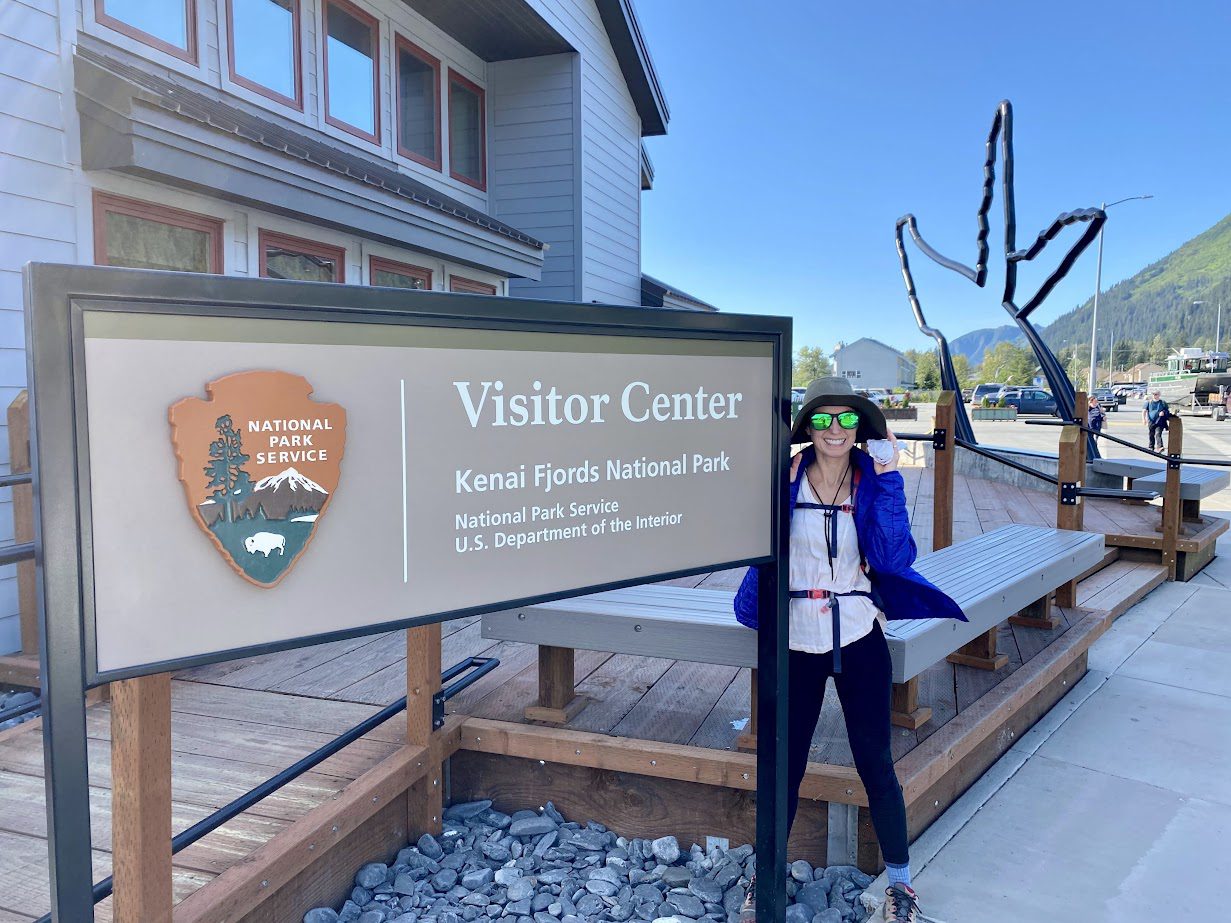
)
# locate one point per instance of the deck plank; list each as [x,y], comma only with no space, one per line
[615,688]
[674,708]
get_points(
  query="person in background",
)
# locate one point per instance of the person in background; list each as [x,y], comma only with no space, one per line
[1154,415]
[1095,416]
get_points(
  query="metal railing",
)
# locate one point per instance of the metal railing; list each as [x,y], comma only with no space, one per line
[480,667]
[1162,456]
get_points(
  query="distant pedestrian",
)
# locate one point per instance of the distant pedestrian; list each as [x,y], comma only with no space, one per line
[1154,415]
[1096,417]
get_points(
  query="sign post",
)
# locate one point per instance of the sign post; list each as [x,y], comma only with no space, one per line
[227,467]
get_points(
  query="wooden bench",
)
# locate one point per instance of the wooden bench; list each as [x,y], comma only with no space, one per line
[1009,573]
[1195,485]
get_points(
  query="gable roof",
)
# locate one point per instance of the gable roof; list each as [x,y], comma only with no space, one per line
[624,33]
[871,340]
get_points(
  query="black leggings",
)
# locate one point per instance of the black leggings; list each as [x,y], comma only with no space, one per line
[864,687]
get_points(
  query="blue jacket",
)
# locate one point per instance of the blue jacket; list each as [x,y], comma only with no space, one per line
[883,527]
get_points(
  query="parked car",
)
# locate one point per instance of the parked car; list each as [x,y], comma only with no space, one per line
[1106,399]
[989,389]
[878,396]
[1030,400]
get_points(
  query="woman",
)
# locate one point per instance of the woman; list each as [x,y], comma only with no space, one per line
[1095,416]
[850,568]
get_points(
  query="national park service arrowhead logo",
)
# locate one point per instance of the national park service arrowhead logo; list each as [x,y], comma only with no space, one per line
[260,461]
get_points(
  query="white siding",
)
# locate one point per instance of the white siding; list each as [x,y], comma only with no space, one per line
[611,158]
[535,162]
[37,217]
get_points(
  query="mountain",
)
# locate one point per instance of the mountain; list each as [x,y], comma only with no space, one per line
[277,495]
[974,344]
[291,480]
[1158,300]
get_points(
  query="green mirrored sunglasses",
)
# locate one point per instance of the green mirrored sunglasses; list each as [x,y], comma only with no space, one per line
[848,419]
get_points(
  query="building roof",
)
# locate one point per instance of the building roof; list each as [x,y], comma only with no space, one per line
[624,33]
[656,294]
[194,101]
[871,340]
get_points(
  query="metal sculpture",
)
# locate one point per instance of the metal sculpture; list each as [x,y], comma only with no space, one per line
[1093,218]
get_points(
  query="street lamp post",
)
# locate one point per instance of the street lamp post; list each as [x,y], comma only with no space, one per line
[1098,284]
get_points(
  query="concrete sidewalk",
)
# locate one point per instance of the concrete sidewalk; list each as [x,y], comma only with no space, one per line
[1117,806]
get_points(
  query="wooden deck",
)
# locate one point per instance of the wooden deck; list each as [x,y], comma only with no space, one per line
[237,723]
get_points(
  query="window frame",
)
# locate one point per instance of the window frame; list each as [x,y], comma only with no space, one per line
[471,286]
[248,84]
[466,82]
[402,43]
[376,263]
[189,53]
[106,202]
[304,245]
[374,27]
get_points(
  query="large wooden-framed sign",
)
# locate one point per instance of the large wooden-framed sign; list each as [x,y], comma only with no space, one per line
[228,466]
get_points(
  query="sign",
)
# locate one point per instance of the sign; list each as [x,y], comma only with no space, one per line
[258,482]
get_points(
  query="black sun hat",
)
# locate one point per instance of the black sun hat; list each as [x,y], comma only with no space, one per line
[837,392]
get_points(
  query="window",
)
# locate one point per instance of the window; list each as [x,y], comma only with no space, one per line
[285,257]
[460,284]
[398,275]
[169,25]
[467,132]
[141,235]
[263,42]
[352,78]
[418,104]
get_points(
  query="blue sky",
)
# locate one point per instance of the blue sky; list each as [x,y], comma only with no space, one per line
[800,131]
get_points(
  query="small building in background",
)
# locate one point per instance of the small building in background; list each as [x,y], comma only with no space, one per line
[869,363]
[1135,373]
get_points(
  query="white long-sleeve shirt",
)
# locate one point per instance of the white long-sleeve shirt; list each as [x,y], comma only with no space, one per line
[811,621]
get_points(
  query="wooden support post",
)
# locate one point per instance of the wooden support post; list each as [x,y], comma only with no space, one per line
[1039,614]
[1069,507]
[558,700]
[1190,511]
[748,740]
[1171,498]
[141,799]
[905,710]
[942,473]
[424,804]
[23,521]
[980,653]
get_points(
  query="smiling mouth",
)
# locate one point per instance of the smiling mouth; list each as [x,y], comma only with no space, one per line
[831,441]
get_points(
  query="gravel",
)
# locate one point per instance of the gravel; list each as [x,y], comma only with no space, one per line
[538,867]
[12,699]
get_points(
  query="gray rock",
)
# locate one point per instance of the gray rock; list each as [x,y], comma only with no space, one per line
[473,881]
[647,892]
[799,913]
[506,876]
[706,889]
[828,916]
[496,852]
[550,810]
[518,815]
[360,895]
[589,905]
[601,887]
[726,874]
[587,839]
[535,825]
[801,871]
[541,901]
[545,843]
[404,883]
[371,875]
[430,847]
[607,874]
[518,908]
[734,898]
[444,879]
[815,894]
[686,904]
[321,915]
[467,810]
[495,819]
[520,889]
[666,849]
[553,876]
[371,916]
[740,853]
[676,877]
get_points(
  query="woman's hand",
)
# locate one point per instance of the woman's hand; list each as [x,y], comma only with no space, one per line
[795,465]
[892,464]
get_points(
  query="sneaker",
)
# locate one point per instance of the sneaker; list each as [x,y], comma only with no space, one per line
[901,905]
[748,911]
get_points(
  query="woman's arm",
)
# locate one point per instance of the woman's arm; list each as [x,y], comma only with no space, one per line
[890,546]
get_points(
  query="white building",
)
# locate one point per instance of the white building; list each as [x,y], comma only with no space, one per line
[489,146]
[870,363]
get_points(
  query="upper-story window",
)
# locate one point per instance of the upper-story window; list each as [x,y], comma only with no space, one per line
[470,286]
[286,257]
[352,74]
[142,235]
[418,104]
[168,25]
[263,42]
[467,131]
[392,274]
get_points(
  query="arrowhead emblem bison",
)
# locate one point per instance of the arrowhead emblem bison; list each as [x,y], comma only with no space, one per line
[260,462]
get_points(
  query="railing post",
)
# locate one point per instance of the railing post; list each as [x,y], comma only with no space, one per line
[942,471]
[141,799]
[23,520]
[1069,506]
[424,806]
[1171,496]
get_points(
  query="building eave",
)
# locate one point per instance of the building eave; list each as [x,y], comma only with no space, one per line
[628,43]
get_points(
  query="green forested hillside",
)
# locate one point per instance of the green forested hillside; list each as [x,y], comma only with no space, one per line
[1156,305]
